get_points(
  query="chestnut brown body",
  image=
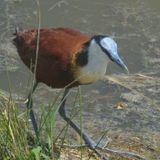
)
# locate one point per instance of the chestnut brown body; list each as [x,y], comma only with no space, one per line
[57,53]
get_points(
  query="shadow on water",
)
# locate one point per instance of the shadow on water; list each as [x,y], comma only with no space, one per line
[135,26]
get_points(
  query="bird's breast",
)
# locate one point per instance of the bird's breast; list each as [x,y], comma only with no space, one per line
[91,73]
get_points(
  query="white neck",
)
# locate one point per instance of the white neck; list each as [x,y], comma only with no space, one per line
[97,64]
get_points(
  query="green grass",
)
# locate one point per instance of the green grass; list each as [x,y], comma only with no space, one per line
[13,131]
[17,139]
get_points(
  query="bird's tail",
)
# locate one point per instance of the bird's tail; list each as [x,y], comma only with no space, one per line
[17,36]
[17,31]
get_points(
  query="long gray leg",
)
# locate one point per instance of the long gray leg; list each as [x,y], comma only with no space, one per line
[30,108]
[89,142]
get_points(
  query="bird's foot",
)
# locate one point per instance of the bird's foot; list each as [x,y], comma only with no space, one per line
[94,146]
[103,147]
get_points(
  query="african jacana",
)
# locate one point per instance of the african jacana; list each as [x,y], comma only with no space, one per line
[66,58]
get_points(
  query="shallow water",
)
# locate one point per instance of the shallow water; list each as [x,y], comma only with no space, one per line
[135,26]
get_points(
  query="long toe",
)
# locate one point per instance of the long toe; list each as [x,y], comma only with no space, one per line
[91,143]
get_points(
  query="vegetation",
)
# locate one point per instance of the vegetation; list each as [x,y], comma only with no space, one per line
[15,136]
[17,140]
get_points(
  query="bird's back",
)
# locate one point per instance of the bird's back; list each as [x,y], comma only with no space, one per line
[56,53]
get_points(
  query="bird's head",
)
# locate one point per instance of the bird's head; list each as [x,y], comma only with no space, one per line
[109,47]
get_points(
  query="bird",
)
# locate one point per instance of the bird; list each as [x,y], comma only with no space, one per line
[65,58]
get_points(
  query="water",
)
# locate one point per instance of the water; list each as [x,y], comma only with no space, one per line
[133,24]
[124,20]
